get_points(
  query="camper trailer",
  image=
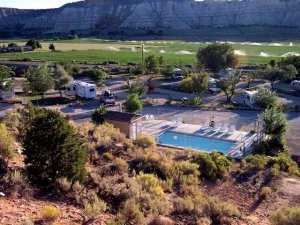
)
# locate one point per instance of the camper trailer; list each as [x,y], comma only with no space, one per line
[177,74]
[82,90]
[9,93]
[295,84]
[212,86]
[248,98]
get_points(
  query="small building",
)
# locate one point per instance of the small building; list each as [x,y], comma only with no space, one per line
[125,122]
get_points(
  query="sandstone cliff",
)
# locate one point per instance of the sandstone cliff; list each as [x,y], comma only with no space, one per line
[182,17]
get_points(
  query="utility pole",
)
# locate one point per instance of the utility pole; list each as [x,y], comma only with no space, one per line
[142,48]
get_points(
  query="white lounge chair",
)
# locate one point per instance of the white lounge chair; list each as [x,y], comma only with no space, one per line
[147,117]
[151,117]
[232,129]
[225,128]
[217,127]
[205,126]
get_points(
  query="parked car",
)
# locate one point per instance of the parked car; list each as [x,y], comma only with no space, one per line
[107,98]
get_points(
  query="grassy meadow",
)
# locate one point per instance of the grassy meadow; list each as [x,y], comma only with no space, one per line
[174,52]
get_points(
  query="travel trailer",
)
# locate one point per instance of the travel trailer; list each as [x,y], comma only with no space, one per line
[82,90]
[7,94]
[295,84]
[212,86]
[248,98]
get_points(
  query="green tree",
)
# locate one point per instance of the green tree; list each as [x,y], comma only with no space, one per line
[151,63]
[95,74]
[196,84]
[53,149]
[6,143]
[167,71]
[133,103]
[291,60]
[34,44]
[138,87]
[228,86]
[275,123]
[275,74]
[98,115]
[217,57]
[5,74]
[250,77]
[40,80]
[61,78]
[52,47]
[265,98]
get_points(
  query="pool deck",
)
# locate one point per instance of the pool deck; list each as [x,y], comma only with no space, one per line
[242,139]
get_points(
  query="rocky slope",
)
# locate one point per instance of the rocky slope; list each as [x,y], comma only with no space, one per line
[163,17]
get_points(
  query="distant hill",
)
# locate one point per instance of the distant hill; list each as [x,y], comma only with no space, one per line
[180,19]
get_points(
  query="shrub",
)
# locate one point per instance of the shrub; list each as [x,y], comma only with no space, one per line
[218,211]
[120,166]
[27,221]
[196,101]
[6,143]
[257,161]
[150,183]
[145,141]
[93,206]
[285,163]
[17,184]
[133,103]
[49,213]
[131,214]
[108,156]
[98,115]
[265,192]
[49,134]
[212,166]
[167,185]
[183,205]
[286,216]
[85,128]
[161,220]
[138,87]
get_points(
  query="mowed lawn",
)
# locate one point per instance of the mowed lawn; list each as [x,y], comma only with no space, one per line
[174,52]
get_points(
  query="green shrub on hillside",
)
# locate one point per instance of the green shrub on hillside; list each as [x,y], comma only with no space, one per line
[286,216]
[212,166]
[145,141]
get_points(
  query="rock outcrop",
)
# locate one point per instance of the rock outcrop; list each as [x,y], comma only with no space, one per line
[158,17]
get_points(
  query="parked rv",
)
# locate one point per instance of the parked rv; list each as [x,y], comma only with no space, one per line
[212,86]
[295,84]
[107,98]
[82,90]
[177,74]
[248,98]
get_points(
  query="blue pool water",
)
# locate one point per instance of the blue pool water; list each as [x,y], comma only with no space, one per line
[194,142]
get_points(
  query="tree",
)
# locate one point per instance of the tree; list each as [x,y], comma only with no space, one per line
[52,47]
[217,57]
[34,44]
[275,122]
[95,74]
[275,74]
[5,74]
[40,80]
[265,98]
[61,78]
[167,71]
[53,149]
[12,45]
[133,103]
[195,84]
[98,115]
[151,63]
[228,86]
[138,87]
[250,77]
[291,60]
[6,143]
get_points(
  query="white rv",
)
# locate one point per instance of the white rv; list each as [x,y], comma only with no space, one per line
[9,93]
[82,90]
[295,84]
[212,85]
[248,98]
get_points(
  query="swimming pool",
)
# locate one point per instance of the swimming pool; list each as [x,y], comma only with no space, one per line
[194,142]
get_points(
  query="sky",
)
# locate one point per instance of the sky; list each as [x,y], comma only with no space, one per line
[34,4]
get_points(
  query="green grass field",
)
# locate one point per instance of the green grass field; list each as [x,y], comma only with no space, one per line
[174,52]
